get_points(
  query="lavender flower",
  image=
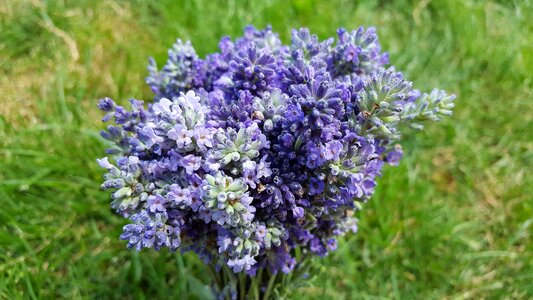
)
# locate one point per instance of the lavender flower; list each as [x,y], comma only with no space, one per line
[180,73]
[151,232]
[260,151]
[156,203]
[232,148]
[228,200]
[316,186]
[253,70]
[357,52]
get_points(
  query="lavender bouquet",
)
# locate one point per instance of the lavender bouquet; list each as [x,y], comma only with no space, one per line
[257,156]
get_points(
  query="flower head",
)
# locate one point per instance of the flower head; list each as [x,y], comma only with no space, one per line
[357,52]
[253,69]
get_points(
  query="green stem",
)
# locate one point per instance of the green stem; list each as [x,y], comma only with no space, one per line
[181,270]
[215,276]
[231,280]
[254,284]
[269,286]
[242,285]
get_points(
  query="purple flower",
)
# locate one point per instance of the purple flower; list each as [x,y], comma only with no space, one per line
[106,104]
[181,71]
[191,163]
[104,163]
[156,203]
[196,200]
[150,138]
[178,196]
[249,173]
[181,135]
[203,137]
[331,245]
[317,247]
[253,70]
[368,185]
[261,233]
[298,212]
[252,172]
[332,150]
[315,158]
[351,52]
[163,106]
[357,52]
[241,264]
[223,242]
[316,186]
[354,185]
[395,155]
[149,231]
[263,168]
[294,113]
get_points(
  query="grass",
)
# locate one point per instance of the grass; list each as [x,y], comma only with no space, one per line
[453,221]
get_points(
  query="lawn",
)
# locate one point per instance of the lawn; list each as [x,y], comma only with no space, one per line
[453,221]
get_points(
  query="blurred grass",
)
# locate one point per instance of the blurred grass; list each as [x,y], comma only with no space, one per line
[454,221]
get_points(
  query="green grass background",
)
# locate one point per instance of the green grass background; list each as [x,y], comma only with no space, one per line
[453,221]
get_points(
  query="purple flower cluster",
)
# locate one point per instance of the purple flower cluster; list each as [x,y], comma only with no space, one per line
[260,148]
